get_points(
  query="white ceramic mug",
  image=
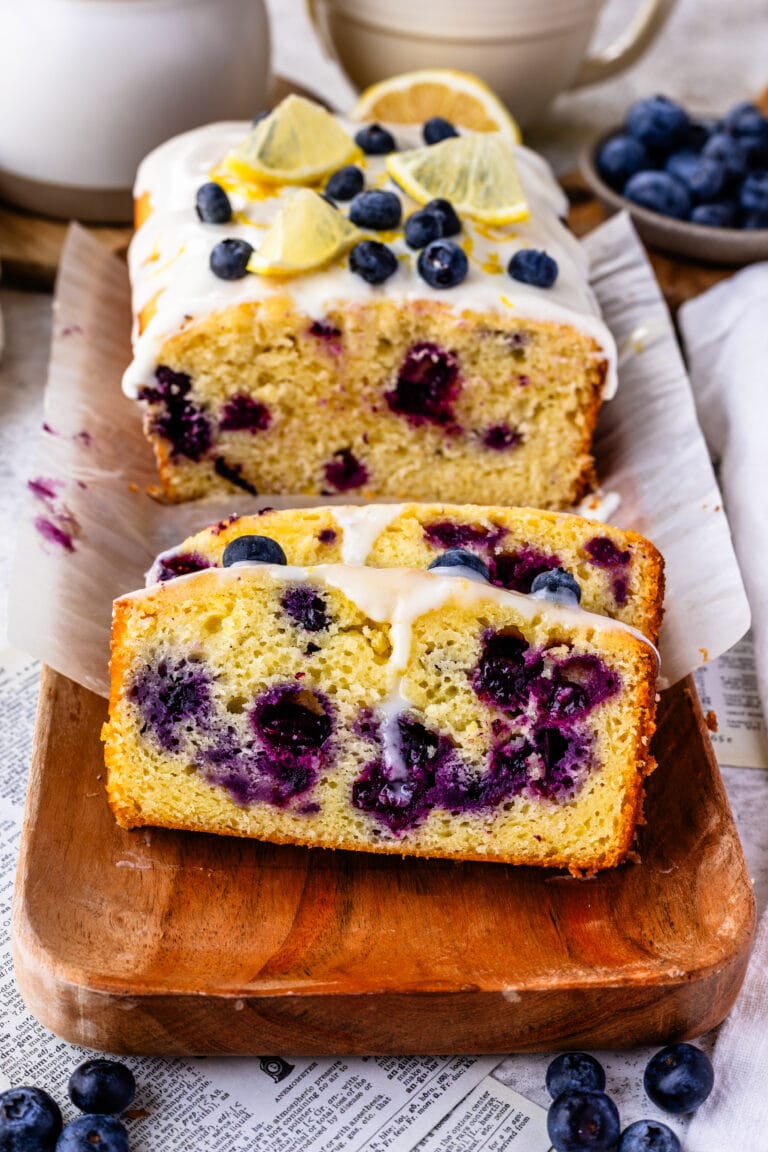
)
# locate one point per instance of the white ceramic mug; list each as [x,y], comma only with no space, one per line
[528,51]
[88,87]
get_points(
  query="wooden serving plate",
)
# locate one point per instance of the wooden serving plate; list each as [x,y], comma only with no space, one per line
[155,941]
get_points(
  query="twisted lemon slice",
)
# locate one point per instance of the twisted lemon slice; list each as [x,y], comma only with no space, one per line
[307,233]
[477,173]
[459,97]
[300,142]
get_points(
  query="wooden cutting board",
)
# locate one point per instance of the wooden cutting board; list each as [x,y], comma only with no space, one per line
[166,942]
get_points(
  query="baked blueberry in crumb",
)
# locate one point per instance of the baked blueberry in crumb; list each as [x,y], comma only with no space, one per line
[244,414]
[253,550]
[578,684]
[507,666]
[501,438]
[324,330]
[291,719]
[327,536]
[178,419]
[517,570]
[178,564]
[234,474]
[345,472]
[306,607]
[451,534]
[173,697]
[428,383]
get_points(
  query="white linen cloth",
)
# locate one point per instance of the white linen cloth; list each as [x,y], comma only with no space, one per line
[726,338]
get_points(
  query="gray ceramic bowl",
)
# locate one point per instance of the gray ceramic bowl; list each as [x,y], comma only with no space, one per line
[697,242]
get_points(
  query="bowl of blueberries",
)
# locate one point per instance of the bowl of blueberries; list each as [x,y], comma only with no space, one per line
[693,186]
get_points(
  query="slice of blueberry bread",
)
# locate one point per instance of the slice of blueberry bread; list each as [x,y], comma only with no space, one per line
[620,573]
[403,711]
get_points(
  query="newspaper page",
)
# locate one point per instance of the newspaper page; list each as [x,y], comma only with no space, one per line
[276,1104]
[729,698]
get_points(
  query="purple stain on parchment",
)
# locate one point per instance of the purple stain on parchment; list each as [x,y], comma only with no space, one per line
[53,534]
[72,330]
[59,526]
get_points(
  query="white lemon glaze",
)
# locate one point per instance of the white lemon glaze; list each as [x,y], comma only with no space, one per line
[169,255]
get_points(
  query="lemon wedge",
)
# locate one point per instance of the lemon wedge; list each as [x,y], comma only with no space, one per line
[477,173]
[300,142]
[307,233]
[459,97]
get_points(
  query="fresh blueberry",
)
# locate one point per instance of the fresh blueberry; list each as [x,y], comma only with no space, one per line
[229,259]
[101,1085]
[719,214]
[581,1120]
[375,140]
[755,220]
[93,1134]
[376,209]
[372,260]
[442,264]
[702,176]
[573,1070]
[531,266]
[753,194]
[447,213]
[699,131]
[436,129]
[745,118]
[658,123]
[648,1136]
[679,1078]
[212,204]
[561,587]
[728,151]
[619,158]
[345,183]
[460,558]
[422,228]
[30,1120]
[659,192]
[253,550]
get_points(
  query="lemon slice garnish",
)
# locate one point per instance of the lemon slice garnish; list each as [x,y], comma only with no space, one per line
[307,233]
[300,142]
[477,173]
[459,97]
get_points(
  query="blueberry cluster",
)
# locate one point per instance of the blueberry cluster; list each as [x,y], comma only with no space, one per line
[677,1079]
[709,172]
[31,1120]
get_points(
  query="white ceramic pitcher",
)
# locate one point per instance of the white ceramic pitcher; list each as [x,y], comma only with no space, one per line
[88,87]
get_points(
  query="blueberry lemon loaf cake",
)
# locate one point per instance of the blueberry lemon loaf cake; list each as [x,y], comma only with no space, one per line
[400,710]
[620,573]
[324,308]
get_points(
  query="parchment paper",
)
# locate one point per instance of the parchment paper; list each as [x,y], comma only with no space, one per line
[90,530]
